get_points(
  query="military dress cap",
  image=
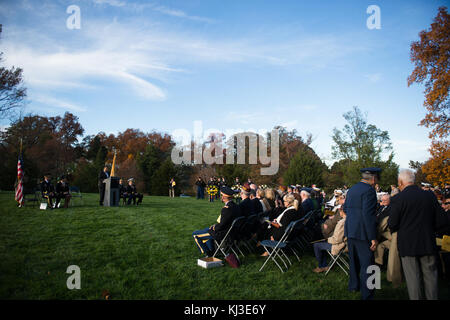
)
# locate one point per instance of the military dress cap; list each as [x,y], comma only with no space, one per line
[227,191]
[371,170]
[309,190]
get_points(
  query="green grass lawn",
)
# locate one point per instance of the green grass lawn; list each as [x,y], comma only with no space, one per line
[144,252]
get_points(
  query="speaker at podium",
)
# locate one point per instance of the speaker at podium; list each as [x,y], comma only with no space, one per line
[112,193]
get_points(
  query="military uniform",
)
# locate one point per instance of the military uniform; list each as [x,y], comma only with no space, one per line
[360,229]
[205,238]
[62,192]
[133,194]
[48,192]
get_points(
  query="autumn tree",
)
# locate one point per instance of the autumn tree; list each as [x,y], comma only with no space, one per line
[431,57]
[437,168]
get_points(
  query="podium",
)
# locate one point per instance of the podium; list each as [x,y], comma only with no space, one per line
[112,193]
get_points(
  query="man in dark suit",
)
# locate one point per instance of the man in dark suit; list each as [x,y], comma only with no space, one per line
[205,238]
[256,204]
[307,203]
[246,205]
[104,174]
[415,215]
[383,210]
[361,230]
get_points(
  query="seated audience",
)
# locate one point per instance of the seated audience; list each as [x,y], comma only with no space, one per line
[383,210]
[256,204]
[307,203]
[205,238]
[246,205]
[330,223]
[269,195]
[335,243]
[275,229]
[260,195]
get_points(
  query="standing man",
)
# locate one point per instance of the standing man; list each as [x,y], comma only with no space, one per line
[361,229]
[172,185]
[415,215]
[101,183]
[200,188]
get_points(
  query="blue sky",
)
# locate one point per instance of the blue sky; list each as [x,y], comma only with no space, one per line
[254,64]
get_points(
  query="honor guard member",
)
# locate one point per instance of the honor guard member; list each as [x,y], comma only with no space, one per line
[62,192]
[48,191]
[132,193]
[205,238]
[361,229]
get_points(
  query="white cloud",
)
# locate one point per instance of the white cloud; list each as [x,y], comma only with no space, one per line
[57,103]
[181,14]
[373,77]
[114,3]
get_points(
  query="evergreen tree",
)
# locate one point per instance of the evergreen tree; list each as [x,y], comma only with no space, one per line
[305,168]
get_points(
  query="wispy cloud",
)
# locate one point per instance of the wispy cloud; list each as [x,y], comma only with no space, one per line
[180,14]
[57,103]
[114,3]
[373,77]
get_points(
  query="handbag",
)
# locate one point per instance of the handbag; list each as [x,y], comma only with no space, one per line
[232,260]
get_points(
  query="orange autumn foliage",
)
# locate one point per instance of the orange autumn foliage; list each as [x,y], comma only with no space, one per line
[437,168]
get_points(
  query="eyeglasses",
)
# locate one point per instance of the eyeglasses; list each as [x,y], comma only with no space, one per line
[447,203]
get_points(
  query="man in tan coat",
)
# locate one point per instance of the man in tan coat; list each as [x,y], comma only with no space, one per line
[388,240]
[335,243]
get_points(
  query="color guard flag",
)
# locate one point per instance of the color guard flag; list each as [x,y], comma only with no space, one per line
[19,189]
[113,165]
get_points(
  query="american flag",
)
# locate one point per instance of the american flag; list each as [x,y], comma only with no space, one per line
[19,190]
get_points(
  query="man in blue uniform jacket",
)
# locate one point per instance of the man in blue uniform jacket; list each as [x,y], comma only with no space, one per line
[361,229]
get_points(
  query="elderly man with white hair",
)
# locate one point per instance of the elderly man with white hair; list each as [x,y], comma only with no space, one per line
[415,216]
[307,203]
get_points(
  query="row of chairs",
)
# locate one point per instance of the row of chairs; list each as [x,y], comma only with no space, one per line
[35,196]
[296,239]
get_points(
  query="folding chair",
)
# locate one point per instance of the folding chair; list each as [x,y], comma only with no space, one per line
[33,196]
[75,193]
[228,241]
[246,232]
[277,247]
[339,260]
